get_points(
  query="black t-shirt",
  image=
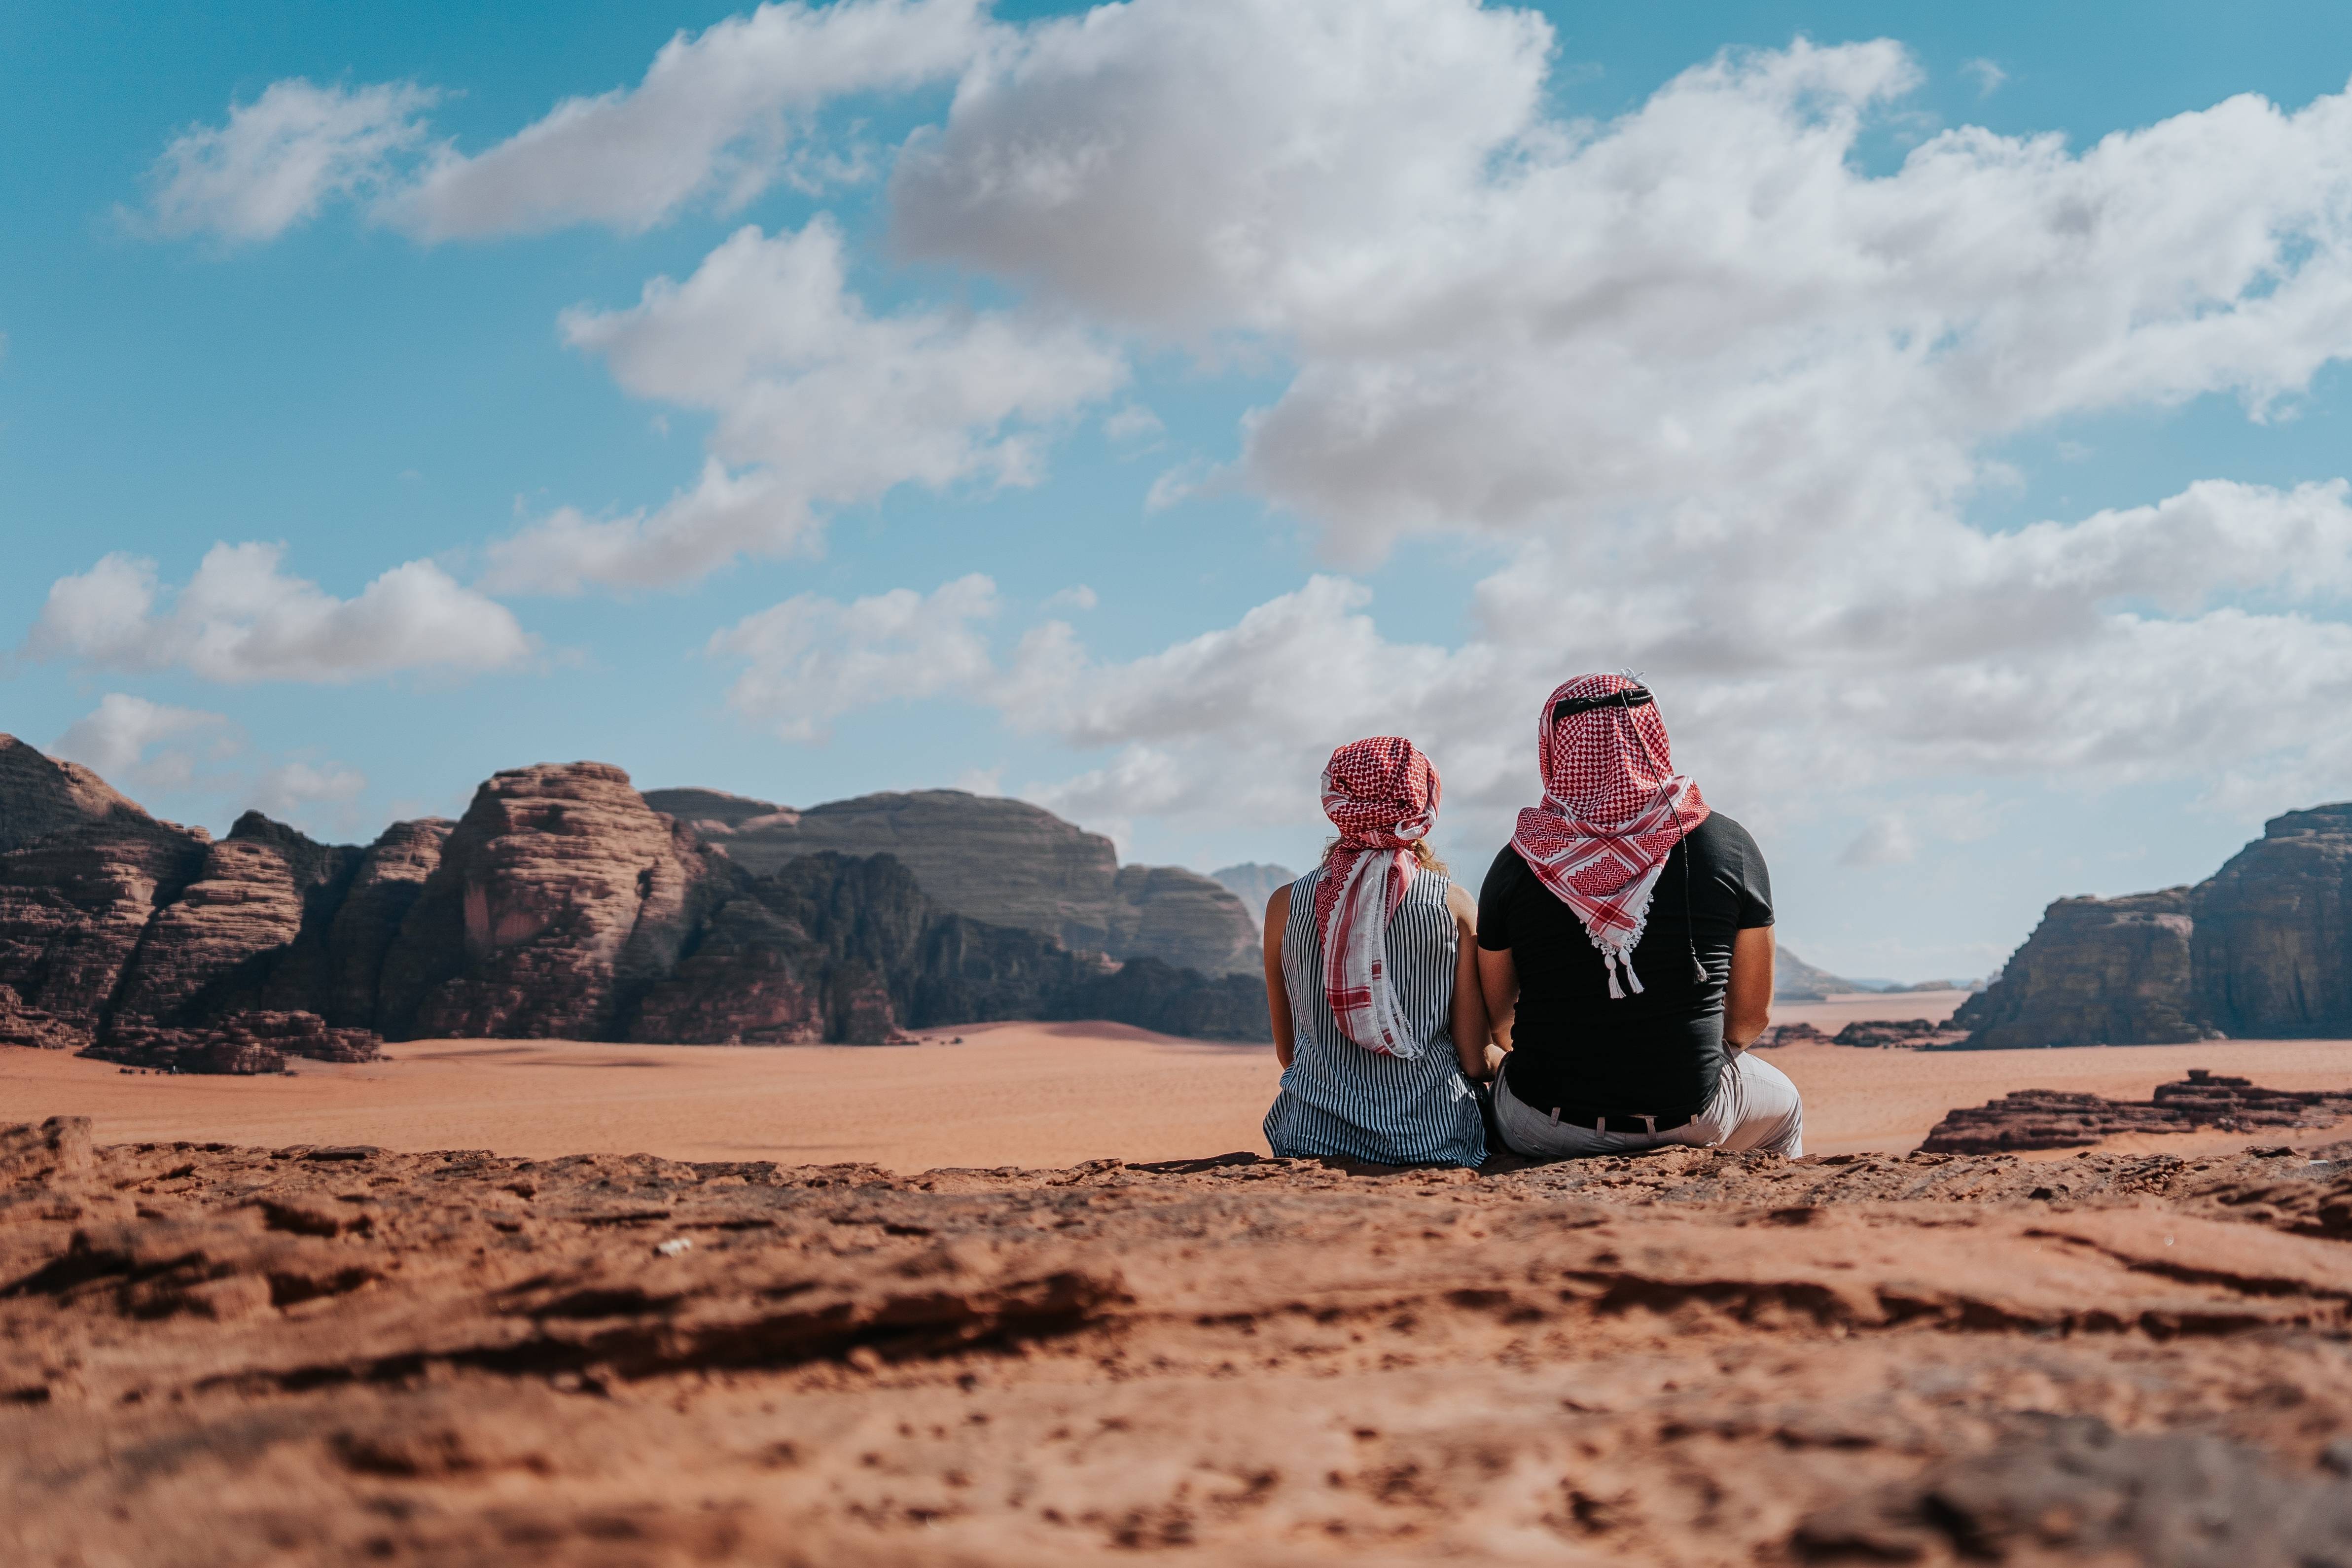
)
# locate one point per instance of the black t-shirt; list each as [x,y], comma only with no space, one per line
[1659,1053]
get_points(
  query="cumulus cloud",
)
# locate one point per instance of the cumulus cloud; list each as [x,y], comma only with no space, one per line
[240,618]
[714,118]
[1723,394]
[810,660]
[1986,75]
[297,789]
[150,748]
[1884,840]
[120,738]
[717,118]
[819,402]
[276,160]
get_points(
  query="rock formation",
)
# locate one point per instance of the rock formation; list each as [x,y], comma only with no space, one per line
[2054,1118]
[251,1042]
[236,1358]
[2262,950]
[23,1025]
[2272,955]
[41,794]
[75,904]
[558,899]
[999,860]
[562,905]
[358,937]
[1870,1033]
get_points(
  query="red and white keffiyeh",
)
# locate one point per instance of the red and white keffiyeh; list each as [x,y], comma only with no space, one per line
[1382,795]
[1614,809]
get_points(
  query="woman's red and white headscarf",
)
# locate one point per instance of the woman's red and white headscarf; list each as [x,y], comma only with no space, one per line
[1614,809]
[1382,795]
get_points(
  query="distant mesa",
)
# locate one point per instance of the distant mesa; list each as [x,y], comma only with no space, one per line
[1000,860]
[1794,980]
[564,905]
[2262,950]
[1253,882]
[1868,1034]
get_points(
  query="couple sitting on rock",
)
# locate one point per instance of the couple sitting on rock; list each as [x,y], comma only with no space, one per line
[1607,982]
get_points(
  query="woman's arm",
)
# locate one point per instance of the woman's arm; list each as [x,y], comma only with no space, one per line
[1498,983]
[1277,993]
[1469,995]
[1748,1003]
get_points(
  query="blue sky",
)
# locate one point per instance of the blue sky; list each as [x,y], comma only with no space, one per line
[1436,375]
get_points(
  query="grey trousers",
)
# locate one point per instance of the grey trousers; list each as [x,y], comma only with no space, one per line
[1755,1108]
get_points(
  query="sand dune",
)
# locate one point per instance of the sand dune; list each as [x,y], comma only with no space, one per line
[1013,1094]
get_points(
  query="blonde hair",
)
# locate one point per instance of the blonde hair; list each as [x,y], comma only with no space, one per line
[1421,852]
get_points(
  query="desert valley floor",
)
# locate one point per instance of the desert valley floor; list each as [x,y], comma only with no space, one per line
[651,1306]
[1033,1095]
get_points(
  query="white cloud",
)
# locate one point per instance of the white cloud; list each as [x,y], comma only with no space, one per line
[1884,840]
[1161,161]
[1724,394]
[714,118]
[1132,422]
[278,159]
[298,789]
[116,737]
[1986,75]
[147,748]
[240,618]
[820,404]
[1077,596]
[810,660]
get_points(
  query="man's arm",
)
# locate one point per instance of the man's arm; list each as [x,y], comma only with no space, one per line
[1748,1003]
[1499,982]
[1277,993]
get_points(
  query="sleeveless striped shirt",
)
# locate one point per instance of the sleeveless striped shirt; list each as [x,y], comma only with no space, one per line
[1340,1100]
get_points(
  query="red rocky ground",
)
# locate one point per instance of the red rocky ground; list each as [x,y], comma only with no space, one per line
[229,1357]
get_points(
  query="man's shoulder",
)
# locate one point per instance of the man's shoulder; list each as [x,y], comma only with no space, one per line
[1504,870]
[1722,841]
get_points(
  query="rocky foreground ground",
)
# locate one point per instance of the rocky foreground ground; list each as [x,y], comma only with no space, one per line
[224,1356]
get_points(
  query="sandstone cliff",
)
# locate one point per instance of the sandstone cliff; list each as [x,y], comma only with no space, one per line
[562,905]
[558,899]
[999,860]
[2262,950]
[41,794]
[2096,972]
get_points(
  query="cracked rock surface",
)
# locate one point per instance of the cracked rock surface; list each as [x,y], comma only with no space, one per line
[227,1356]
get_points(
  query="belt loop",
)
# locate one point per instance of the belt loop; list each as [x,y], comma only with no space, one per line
[1555,1116]
[1601,1124]
[1650,1125]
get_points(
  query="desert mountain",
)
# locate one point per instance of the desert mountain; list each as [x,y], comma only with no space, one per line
[2261,949]
[1254,882]
[562,905]
[1002,861]
[1794,980]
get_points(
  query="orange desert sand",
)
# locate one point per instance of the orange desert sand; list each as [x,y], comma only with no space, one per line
[1032,1095]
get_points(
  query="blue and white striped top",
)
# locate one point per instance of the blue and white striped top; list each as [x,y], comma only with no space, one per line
[1340,1100]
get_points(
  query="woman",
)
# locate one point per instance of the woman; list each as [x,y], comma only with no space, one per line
[1626,949]
[1371,976]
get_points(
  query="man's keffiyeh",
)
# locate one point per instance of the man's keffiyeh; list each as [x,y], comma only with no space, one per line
[1382,795]
[1614,809]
